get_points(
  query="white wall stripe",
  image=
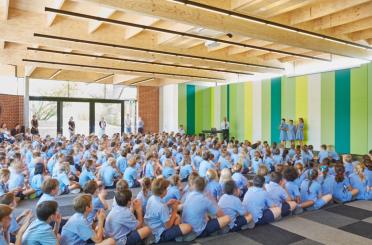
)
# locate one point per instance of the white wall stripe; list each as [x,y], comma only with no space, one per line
[314,111]
[169,109]
[257,108]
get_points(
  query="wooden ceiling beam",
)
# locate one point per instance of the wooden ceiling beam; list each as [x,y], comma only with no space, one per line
[361,35]
[58,4]
[5,6]
[354,26]
[229,24]
[22,30]
[316,10]
[104,13]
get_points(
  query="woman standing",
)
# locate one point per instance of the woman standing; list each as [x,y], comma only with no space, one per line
[71,126]
[300,131]
[102,127]
[34,125]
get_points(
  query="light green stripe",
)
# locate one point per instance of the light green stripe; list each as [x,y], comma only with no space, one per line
[248,114]
[240,111]
[359,110]
[206,92]
[233,112]
[291,98]
[284,96]
[223,102]
[198,109]
[266,110]
[212,107]
[328,108]
[370,106]
[301,101]
[182,112]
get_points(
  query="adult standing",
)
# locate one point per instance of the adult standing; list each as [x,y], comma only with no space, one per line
[225,126]
[34,125]
[128,124]
[102,127]
[140,125]
[300,131]
[283,132]
[71,126]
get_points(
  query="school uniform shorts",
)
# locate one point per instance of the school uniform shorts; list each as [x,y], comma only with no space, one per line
[133,238]
[239,222]
[170,234]
[267,217]
[212,227]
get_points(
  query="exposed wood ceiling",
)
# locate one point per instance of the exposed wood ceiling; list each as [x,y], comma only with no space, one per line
[157,42]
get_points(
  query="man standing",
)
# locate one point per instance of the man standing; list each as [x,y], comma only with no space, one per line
[71,126]
[128,125]
[140,125]
[225,125]
[102,127]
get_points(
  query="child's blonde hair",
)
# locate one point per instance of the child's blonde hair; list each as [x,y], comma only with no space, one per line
[168,163]
[359,169]
[4,172]
[262,170]
[211,175]
[225,175]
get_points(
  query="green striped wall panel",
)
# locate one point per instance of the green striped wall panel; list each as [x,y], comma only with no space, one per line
[239,111]
[275,108]
[369,106]
[302,101]
[359,110]
[342,111]
[328,108]
[190,102]
[248,110]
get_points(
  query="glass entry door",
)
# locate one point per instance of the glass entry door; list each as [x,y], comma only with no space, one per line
[111,113]
[79,111]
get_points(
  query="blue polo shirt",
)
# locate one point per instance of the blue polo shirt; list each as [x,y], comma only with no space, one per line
[255,201]
[231,206]
[156,216]
[76,231]
[39,232]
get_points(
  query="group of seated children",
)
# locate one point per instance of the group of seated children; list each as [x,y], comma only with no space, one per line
[190,187]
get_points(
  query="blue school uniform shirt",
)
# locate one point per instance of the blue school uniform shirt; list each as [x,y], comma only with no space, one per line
[149,170]
[255,201]
[36,182]
[122,163]
[45,197]
[195,208]
[108,175]
[269,163]
[28,157]
[240,181]
[224,163]
[196,161]
[130,175]
[156,216]
[214,189]
[313,193]
[2,238]
[216,154]
[276,193]
[64,182]
[119,223]
[173,192]
[293,190]
[178,157]
[235,158]
[14,226]
[231,206]
[291,133]
[340,190]
[322,155]
[357,183]
[327,183]
[255,164]
[97,205]
[167,172]
[349,168]
[16,180]
[76,231]
[185,171]
[39,232]
[144,199]
[3,188]
[277,159]
[204,167]
[85,177]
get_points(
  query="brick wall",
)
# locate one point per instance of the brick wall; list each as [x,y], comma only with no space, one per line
[11,110]
[148,107]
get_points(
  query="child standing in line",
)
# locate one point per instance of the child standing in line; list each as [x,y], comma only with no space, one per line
[283,132]
[291,133]
[300,131]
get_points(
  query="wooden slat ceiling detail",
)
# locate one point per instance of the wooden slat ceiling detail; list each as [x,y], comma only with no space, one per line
[162,42]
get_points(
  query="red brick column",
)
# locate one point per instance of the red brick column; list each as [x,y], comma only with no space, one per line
[148,107]
[11,110]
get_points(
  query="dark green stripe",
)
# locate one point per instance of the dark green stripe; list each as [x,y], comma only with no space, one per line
[190,93]
[228,102]
[276,100]
[342,111]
